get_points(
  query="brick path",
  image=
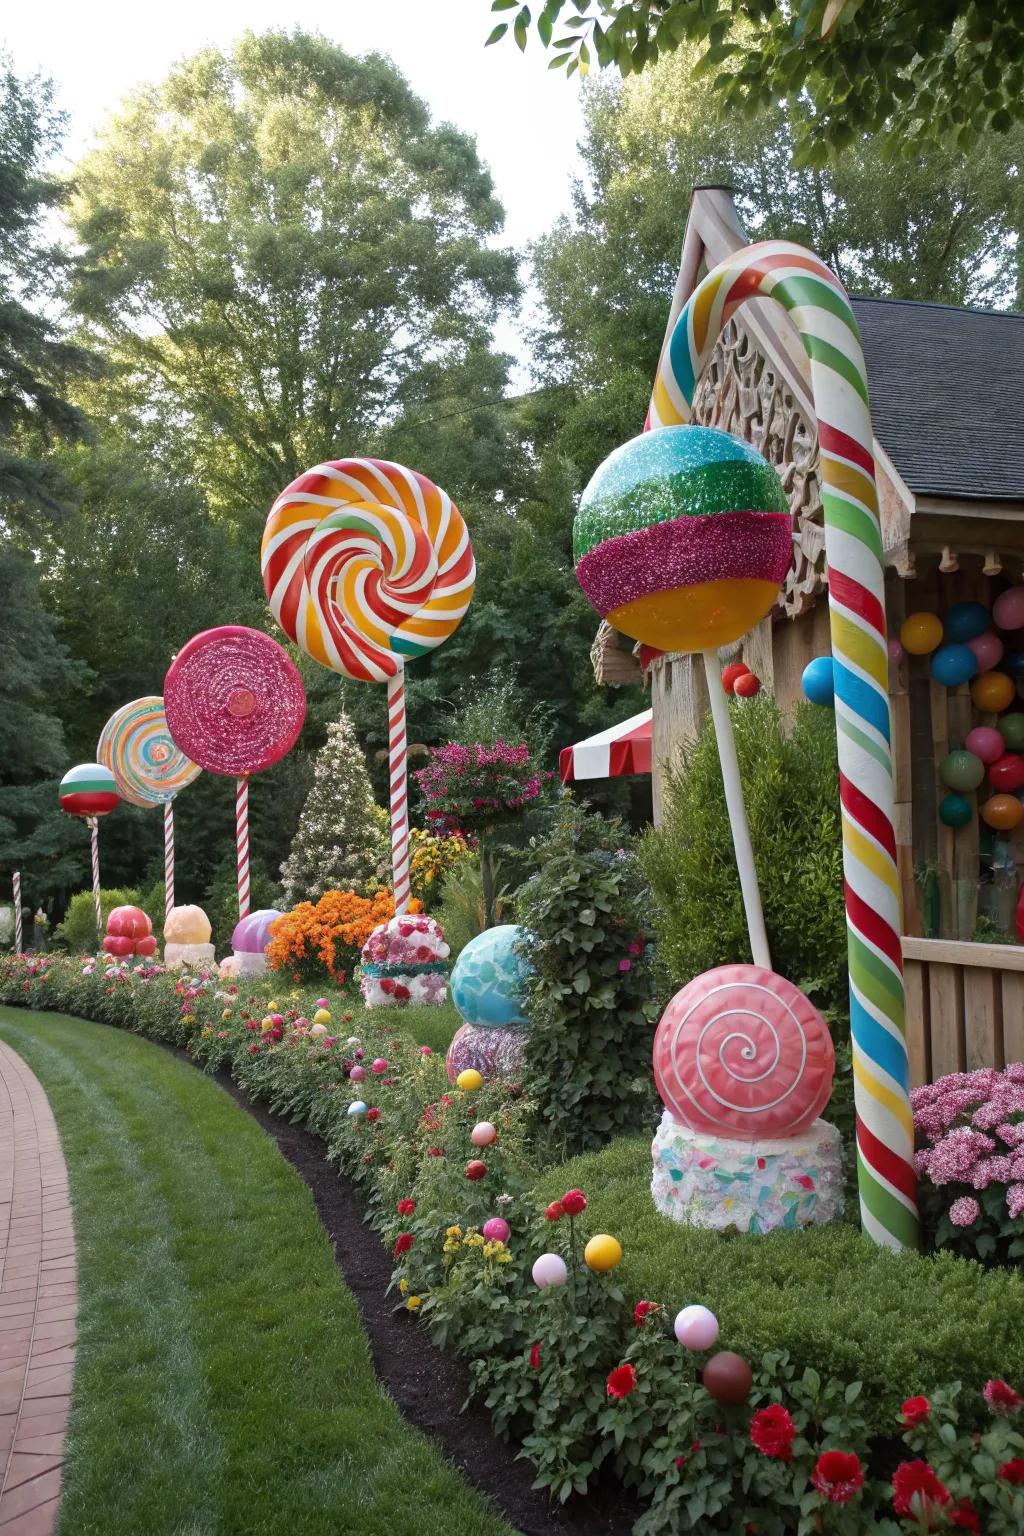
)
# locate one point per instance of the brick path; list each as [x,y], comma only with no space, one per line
[37,1303]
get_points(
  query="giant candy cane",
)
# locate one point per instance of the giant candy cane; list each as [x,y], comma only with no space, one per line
[819,308]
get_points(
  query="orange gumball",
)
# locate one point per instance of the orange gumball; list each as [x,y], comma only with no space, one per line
[921,633]
[1002,812]
[993,692]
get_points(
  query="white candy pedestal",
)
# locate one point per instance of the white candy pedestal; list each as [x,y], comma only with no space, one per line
[751,1186]
[176,955]
[250,964]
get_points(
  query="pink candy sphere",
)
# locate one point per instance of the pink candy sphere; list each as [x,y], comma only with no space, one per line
[895,650]
[483,1134]
[322,1002]
[988,648]
[496,1230]
[696,1327]
[357,1073]
[549,1270]
[985,742]
[378,1066]
[1008,609]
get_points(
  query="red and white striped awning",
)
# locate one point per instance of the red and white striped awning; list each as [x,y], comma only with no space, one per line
[622,749]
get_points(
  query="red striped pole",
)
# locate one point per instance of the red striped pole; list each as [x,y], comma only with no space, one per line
[168,858]
[94,833]
[17,913]
[242,844]
[397,766]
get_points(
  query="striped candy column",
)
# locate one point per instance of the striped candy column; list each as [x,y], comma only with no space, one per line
[242,844]
[398,760]
[94,835]
[818,306]
[168,858]
[18,936]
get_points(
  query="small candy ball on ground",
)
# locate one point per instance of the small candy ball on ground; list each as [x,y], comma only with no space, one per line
[728,1378]
[602,1253]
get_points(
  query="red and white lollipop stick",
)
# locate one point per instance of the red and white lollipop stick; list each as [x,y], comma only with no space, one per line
[242,844]
[17,913]
[94,833]
[398,761]
[168,858]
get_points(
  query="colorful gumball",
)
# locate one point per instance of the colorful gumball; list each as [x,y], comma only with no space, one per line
[988,650]
[747,687]
[356,1108]
[993,692]
[602,1253]
[357,1072]
[1002,813]
[955,811]
[953,665]
[962,771]
[966,621]
[683,538]
[895,650]
[728,1378]
[318,1031]
[987,743]
[476,1170]
[496,1230]
[1011,728]
[483,1134]
[549,1271]
[469,1080]
[696,1327]
[1007,775]
[1013,662]
[818,682]
[1008,609]
[734,670]
[921,633]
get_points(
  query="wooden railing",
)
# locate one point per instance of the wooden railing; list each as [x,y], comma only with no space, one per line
[965,1006]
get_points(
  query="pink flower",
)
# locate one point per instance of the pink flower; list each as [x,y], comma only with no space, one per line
[964,1212]
[1015,1200]
[625,965]
[1001,1397]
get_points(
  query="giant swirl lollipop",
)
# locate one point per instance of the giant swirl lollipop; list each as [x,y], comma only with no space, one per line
[148,768]
[367,565]
[90,791]
[235,704]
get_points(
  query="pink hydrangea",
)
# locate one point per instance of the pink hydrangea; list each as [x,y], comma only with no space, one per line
[964,1212]
[1015,1200]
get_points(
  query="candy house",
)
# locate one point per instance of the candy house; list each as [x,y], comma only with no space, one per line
[947,400]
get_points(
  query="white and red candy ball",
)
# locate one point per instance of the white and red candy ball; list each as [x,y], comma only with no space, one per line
[88,790]
[740,1052]
[483,1134]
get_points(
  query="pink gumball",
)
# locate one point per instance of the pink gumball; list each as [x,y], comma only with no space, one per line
[985,742]
[378,1066]
[146,947]
[549,1270]
[496,1230]
[696,1327]
[483,1134]
[895,650]
[1008,609]
[357,1073]
[321,1002]
[989,650]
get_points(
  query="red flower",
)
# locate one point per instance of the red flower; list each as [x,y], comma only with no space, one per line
[772,1430]
[555,1211]
[403,1243]
[915,1411]
[622,1380]
[643,1310]
[574,1202]
[435,1152]
[373,1114]
[837,1476]
[964,1517]
[917,1492]
[1013,1471]
[535,1357]
[254,1048]
[1001,1397]
[406,1207]
[681,1460]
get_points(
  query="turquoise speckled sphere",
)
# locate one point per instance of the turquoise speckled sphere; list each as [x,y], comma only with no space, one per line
[487,981]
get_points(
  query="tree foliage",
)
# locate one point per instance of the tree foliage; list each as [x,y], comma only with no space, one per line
[921,70]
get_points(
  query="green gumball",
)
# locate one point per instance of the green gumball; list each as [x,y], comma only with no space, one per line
[962,770]
[956,811]
[1011,729]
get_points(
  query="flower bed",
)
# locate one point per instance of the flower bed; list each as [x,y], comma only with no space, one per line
[845,1341]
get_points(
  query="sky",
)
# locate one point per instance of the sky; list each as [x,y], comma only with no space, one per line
[526,119]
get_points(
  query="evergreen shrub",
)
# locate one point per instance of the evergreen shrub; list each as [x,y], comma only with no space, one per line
[77,932]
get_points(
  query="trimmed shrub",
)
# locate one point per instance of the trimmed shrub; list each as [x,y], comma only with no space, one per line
[77,932]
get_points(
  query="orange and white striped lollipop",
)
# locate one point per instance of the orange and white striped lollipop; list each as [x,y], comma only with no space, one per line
[366,565]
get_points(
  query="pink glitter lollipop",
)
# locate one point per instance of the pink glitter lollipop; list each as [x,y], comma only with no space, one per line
[234,704]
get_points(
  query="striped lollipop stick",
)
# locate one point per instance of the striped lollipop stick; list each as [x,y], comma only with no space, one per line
[18,936]
[820,310]
[94,835]
[242,844]
[398,762]
[168,858]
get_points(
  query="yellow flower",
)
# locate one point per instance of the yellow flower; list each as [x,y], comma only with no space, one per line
[454,1232]
[414,1303]
[505,1258]
[403,1285]
[473,1240]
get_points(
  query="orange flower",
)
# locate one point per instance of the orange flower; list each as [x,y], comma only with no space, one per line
[329,935]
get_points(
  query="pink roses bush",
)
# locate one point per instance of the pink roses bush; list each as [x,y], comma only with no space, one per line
[970,1134]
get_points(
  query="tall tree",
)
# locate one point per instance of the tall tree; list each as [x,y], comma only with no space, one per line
[284,253]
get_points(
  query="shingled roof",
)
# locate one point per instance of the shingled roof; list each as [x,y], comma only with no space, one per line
[947,396]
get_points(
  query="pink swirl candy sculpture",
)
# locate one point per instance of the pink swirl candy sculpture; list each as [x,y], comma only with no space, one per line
[740,1052]
[252,934]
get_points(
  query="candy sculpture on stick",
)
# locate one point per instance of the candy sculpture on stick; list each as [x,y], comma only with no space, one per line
[90,791]
[235,704]
[818,307]
[366,566]
[137,746]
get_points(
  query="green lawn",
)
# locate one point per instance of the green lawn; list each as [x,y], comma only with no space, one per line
[223,1382]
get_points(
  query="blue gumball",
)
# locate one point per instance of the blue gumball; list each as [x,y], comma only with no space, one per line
[818,682]
[966,621]
[1012,662]
[487,979]
[954,664]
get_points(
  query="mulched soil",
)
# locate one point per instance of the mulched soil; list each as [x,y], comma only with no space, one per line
[428,1384]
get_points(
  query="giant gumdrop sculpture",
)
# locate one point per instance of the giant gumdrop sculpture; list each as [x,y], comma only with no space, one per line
[129,932]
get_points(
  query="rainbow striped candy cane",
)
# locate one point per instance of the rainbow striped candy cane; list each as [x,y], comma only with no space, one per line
[819,308]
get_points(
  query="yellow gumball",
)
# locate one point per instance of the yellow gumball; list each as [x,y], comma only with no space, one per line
[993,692]
[321,1016]
[602,1253]
[921,633]
[271,1007]
[469,1081]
